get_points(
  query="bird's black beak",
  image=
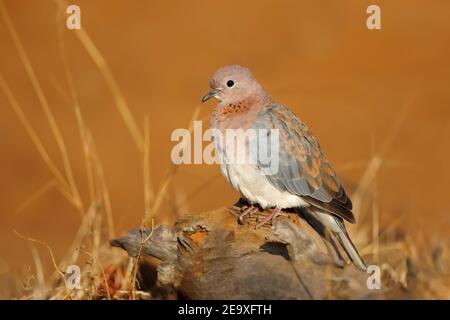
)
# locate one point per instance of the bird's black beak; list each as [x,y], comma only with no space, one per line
[210,95]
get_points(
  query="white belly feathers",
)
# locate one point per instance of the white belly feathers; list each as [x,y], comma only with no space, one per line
[254,186]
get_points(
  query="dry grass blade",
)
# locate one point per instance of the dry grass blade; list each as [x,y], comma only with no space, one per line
[82,128]
[34,197]
[107,74]
[96,180]
[134,269]
[365,183]
[62,183]
[87,153]
[58,270]
[168,177]
[375,216]
[204,185]
[148,191]
[158,200]
[377,161]
[46,108]
[81,234]
[104,191]
[39,290]
[94,265]
[389,246]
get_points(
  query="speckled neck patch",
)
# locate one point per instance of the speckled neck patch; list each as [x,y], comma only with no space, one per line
[234,108]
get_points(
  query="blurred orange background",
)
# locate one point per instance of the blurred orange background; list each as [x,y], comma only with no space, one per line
[356,88]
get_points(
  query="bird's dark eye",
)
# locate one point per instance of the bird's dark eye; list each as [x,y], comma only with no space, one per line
[230,83]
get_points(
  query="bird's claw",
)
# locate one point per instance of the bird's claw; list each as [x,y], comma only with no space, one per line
[271,217]
[249,210]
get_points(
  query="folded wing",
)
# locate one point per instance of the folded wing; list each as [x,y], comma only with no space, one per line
[303,168]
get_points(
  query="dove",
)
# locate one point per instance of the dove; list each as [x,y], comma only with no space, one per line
[304,179]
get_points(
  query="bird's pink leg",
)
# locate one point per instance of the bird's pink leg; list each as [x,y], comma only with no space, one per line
[248,210]
[270,217]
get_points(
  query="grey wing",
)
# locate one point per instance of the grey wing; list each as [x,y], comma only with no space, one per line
[303,168]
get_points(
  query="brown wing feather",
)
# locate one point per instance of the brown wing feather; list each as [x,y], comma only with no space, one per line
[304,169]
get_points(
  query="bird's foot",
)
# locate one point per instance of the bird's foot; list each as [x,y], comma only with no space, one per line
[249,210]
[270,217]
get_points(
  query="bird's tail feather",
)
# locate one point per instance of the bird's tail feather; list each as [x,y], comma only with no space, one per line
[350,249]
[337,227]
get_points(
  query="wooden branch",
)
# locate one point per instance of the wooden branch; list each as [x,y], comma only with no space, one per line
[210,256]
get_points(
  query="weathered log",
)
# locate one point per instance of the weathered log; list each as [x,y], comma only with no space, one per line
[211,256]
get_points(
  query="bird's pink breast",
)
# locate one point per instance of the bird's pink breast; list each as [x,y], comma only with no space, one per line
[240,115]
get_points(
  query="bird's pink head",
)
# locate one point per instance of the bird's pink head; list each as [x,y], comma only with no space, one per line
[233,85]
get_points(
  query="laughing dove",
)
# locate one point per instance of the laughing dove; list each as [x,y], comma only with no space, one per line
[304,178]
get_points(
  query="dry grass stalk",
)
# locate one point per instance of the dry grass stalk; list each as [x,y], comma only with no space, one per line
[36,195]
[107,74]
[96,179]
[375,216]
[133,280]
[46,108]
[58,270]
[39,290]
[62,183]
[148,190]
[168,177]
